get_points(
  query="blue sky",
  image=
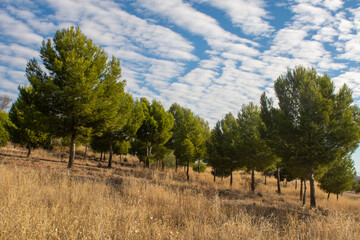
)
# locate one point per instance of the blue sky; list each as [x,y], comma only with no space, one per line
[209,55]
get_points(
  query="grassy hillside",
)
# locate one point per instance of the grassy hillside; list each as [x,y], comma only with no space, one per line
[41,199]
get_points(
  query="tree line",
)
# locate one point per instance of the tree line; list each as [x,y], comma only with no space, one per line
[80,95]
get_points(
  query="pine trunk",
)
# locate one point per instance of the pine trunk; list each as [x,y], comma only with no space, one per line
[198,166]
[337,197]
[265,179]
[148,153]
[328,196]
[231,179]
[312,187]
[110,152]
[101,156]
[214,175]
[187,170]
[72,151]
[162,165]
[278,180]
[253,180]
[61,152]
[301,189]
[29,151]
[296,184]
[304,194]
[86,147]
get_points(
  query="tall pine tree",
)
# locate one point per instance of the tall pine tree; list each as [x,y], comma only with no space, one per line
[323,126]
[68,91]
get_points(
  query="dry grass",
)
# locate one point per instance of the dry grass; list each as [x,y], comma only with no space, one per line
[43,200]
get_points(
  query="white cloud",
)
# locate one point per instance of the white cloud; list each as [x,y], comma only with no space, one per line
[352,49]
[332,5]
[312,16]
[250,15]
[199,77]
[350,78]
[326,34]
[108,24]
[17,30]
[292,43]
[183,15]
[43,26]
[18,50]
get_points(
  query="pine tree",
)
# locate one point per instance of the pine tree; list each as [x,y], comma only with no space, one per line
[68,91]
[29,128]
[252,150]
[115,106]
[339,178]
[322,126]
[4,125]
[190,133]
[156,126]
[222,149]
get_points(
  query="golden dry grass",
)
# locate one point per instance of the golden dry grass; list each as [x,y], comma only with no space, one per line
[43,200]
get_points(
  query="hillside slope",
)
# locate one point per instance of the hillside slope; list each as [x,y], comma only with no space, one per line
[40,199]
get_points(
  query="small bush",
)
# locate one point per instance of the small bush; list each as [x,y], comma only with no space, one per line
[195,167]
[357,187]
[169,160]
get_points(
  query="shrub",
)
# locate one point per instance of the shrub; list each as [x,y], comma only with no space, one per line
[195,167]
[357,186]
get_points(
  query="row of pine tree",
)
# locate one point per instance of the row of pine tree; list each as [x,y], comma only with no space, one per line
[76,93]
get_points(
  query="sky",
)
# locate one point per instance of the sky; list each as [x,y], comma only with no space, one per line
[211,56]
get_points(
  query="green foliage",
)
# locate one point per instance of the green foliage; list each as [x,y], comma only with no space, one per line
[138,148]
[169,160]
[190,128]
[221,172]
[99,143]
[156,126]
[157,123]
[115,105]
[195,167]
[322,124]
[221,147]
[185,151]
[252,150]
[319,126]
[134,121]
[124,136]
[339,178]
[69,91]
[159,152]
[4,124]
[28,127]
[121,147]
[356,187]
